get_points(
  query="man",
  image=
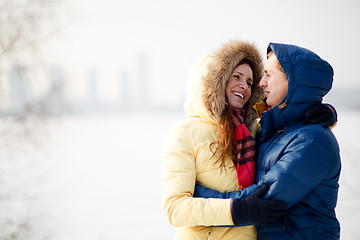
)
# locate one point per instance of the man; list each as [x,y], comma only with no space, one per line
[299,162]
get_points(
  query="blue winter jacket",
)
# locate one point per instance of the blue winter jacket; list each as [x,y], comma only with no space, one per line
[301,163]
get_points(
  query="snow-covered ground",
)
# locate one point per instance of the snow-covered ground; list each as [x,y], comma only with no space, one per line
[105,179]
[109,172]
[347,133]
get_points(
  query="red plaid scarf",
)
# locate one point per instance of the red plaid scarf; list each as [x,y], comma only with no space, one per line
[245,150]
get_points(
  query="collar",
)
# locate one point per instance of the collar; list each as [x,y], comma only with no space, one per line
[261,107]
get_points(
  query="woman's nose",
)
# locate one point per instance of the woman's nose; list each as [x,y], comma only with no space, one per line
[242,84]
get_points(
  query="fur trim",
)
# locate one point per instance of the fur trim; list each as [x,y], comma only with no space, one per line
[220,66]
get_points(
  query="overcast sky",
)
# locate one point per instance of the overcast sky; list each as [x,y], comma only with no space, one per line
[111,35]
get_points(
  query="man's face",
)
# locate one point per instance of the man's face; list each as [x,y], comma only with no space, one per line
[274,82]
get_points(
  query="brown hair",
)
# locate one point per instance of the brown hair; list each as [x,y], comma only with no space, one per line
[218,71]
[226,129]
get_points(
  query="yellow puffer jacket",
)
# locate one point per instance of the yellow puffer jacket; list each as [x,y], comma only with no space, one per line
[188,159]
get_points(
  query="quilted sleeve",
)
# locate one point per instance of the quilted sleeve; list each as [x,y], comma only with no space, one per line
[179,177]
[201,191]
[306,161]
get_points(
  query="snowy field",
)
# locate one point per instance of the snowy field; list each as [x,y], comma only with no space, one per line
[105,177]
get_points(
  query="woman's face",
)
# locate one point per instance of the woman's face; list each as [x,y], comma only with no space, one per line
[274,82]
[238,87]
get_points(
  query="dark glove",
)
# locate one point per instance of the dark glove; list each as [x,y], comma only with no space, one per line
[321,113]
[254,209]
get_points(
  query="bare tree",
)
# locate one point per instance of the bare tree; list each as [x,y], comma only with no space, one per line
[24,24]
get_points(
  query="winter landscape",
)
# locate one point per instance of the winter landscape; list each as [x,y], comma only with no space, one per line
[88,90]
[109,168]
[102,179]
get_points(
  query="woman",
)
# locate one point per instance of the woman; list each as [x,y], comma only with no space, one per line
[301,163]
[200,149]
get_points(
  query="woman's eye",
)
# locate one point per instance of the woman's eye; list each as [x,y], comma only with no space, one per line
[236,76]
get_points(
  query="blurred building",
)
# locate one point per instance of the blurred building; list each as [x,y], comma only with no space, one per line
[55,95]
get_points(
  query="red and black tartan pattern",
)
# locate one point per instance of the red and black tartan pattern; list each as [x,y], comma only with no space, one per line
[244,151]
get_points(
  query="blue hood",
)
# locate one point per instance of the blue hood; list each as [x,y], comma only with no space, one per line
[309,80]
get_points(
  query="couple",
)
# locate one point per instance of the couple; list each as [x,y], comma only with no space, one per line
[212,188]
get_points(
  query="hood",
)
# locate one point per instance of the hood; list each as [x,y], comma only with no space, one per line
[206,96]
[309,79]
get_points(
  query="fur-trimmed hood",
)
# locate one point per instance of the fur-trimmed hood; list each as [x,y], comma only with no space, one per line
[206,98]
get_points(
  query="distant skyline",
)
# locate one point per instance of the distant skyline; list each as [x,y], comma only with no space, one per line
[129,91]
[109,35]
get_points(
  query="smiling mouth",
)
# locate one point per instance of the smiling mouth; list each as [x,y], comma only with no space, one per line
[239,94]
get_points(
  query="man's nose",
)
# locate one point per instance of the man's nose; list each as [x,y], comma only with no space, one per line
[262,82]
